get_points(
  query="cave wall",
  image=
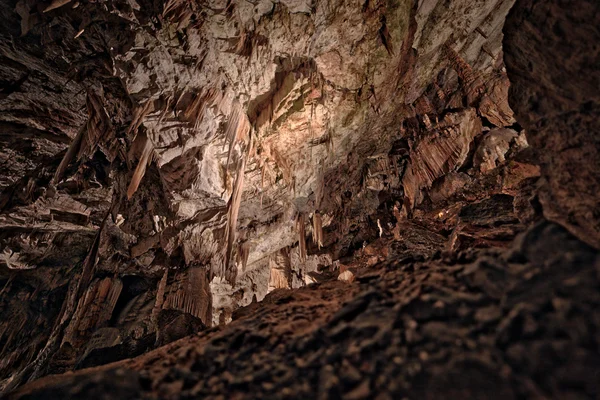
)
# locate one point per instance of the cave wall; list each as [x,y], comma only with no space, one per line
[552,62]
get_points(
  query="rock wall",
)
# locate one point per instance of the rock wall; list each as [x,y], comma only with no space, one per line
[555,95]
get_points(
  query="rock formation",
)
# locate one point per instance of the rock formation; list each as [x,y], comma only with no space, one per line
[329,198]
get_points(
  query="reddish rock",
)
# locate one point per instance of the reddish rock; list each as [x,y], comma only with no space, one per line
[551,57]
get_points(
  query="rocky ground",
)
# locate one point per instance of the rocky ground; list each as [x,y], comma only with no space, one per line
[515,323]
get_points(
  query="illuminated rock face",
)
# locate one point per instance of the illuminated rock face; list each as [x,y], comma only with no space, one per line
[166,163]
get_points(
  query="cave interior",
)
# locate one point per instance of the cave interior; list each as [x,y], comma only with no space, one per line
[231,199]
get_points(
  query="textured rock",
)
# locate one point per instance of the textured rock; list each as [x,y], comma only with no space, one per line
[552,61]
[186,135]
[494,147]
[444,149]
[492,326]
[449,185]
[170,162]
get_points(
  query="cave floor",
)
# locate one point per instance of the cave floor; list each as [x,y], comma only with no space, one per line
[478,324]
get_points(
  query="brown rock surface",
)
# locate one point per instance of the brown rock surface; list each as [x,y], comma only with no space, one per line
[553,61]
[476,327]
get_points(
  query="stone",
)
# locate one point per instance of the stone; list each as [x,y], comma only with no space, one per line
[177,177]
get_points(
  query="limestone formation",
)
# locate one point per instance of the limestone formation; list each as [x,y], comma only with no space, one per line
[330,199]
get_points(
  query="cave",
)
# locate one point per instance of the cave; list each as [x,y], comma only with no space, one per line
[237,199]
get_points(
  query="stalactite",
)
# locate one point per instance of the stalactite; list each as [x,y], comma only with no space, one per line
[56,4]
[300,228]
[137,119]
[317,229]
[98,129]
[189,293]
[232,215]
[160,298]
[69,155]
[238,128]
[473,85]
[243,254]
[147,150]
[196,110]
